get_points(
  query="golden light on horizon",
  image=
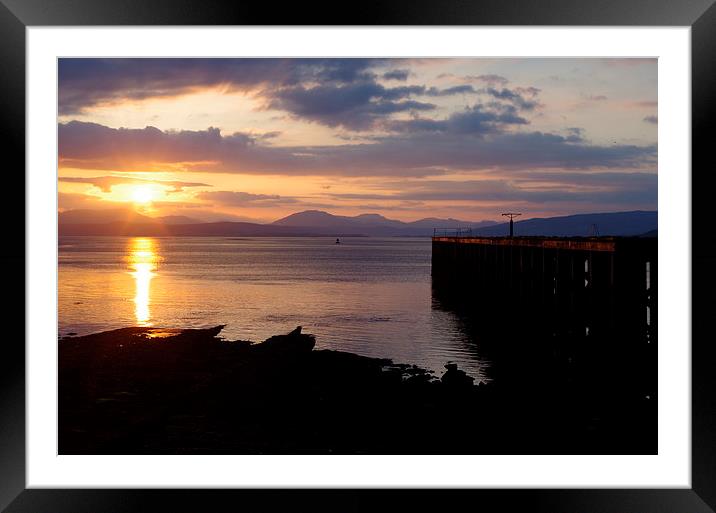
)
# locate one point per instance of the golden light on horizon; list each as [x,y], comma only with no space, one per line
[142,194]
[143,260]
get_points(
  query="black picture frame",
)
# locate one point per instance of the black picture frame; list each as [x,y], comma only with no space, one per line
[700,15]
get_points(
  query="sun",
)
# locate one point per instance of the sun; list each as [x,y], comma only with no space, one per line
[142,194]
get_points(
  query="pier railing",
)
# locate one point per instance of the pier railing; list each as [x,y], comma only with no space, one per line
[452,232]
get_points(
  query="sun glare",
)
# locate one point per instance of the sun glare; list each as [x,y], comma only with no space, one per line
[142,194]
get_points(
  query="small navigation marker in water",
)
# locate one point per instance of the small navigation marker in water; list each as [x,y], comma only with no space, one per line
[338,241]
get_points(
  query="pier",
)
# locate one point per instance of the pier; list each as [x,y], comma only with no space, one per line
[603,287]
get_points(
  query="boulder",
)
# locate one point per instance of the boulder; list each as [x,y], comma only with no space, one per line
[455,377]
[292,343]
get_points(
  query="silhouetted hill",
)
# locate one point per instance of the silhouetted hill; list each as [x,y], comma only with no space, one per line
[127,222]
[371,224]
[117,215]
[374,219]
[581,225]
[314,219]
[179,220]
[101,216]
[314,223]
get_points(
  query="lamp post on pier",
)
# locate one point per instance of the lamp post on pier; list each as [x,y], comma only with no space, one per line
[512,215]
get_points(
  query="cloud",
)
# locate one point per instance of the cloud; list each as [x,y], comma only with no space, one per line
[364,105]
[473,120]
[574,134]
[86,82]
[516,96]
[506,151]
[397,74]
[528,91]
[72,201]
[86,144]
[240,199]
[356,106]
[612,188]
[245,199]
[654,120]
[460,89]
[105,183]
[334,92]
[490,79]
[269,135]
[469,140]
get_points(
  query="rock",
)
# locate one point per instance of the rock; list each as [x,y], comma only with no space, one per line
[293,343]
[455,377]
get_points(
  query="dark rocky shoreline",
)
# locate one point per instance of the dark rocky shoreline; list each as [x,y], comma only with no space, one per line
[158,391]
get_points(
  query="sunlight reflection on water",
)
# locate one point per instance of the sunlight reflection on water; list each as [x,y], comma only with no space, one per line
[143,260]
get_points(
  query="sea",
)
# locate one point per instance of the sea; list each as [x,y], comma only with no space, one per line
[365,295]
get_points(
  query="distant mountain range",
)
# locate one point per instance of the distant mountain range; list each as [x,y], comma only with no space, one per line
[637,222]
[316,222]
[116,215]
[370,224]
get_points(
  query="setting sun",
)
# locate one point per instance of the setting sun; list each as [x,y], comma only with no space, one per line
[142,194]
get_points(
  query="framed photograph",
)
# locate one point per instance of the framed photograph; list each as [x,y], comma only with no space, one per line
[446,249]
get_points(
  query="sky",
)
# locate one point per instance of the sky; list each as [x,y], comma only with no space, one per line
[259,139]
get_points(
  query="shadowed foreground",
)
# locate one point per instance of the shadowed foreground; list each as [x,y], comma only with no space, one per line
[155,391]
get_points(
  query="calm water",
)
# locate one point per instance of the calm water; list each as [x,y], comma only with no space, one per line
[370,296]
